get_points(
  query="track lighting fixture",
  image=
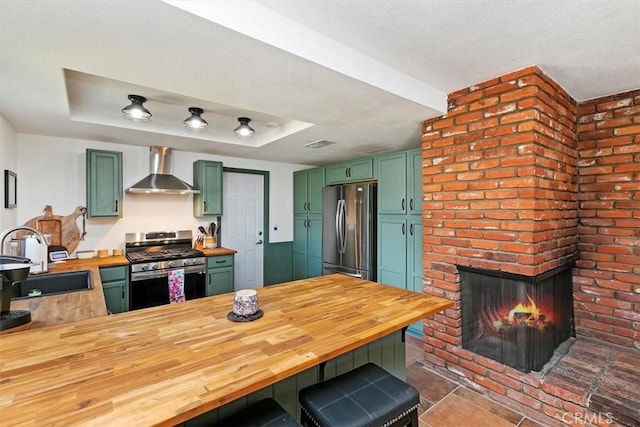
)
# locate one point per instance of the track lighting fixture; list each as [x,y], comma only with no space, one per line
[195,122]
[136,111]
[244,130]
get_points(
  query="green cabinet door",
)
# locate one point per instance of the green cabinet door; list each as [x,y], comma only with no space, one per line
[220,281]
[315,186]
[337,173]
[414,264]
[115,285]
[220,275]
[361,169]
[414,254]
[114,296]
[314,245]
[104,183]
[207,177]
[307,191]
[300,200]
[414,181]
[354,170]
[392,250]
[392,183]
[300,239]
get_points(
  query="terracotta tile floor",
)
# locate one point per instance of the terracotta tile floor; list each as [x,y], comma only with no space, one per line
[444,403]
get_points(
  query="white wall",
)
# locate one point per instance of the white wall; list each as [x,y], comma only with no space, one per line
[51,171]
[8,160]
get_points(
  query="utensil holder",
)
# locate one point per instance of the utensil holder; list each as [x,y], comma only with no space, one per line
[210,242]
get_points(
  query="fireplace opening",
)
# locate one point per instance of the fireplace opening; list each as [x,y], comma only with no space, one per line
[513,319]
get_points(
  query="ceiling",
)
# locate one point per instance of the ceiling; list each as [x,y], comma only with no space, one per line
[360,73]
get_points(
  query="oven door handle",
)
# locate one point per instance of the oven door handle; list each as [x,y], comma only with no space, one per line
[154,274]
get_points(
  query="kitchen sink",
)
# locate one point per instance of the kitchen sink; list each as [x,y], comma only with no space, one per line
[51,284]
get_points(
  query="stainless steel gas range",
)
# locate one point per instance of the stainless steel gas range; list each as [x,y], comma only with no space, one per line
[153,257]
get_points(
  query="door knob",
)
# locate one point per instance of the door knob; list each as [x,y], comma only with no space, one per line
[259,242]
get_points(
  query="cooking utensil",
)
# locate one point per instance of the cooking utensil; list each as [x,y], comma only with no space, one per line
[202,230]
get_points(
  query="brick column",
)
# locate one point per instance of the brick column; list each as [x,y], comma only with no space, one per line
[500,192]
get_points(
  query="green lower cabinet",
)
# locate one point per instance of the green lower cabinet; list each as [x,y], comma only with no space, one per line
[307,246]
[400,255]
[220,277]
[115,285]
[392,249]
[414,265]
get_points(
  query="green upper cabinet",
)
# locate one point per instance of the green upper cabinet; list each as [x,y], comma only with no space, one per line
[207,177]
[104,183]
[392,183]
[355,170]
[414,181]
[307,191]
[400,183]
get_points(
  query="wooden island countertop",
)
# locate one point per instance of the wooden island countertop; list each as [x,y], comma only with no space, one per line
[168,364]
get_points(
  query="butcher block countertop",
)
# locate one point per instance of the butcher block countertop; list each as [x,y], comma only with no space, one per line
[71,306]
[167,364]
[216,251]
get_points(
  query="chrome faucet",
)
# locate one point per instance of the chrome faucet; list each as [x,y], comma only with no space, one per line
[35,248]
[5,234]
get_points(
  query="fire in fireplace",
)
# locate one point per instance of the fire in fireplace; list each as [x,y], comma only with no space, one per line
[522,315]
[513,319]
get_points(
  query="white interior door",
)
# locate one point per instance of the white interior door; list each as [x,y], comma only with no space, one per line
[241,226]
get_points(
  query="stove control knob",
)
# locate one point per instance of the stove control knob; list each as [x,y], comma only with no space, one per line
[144,267]
[186,262]
[154,266]
[170,264]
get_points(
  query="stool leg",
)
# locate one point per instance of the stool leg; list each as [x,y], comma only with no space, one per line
[414,418]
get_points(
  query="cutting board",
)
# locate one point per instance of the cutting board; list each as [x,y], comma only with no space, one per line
[63,229]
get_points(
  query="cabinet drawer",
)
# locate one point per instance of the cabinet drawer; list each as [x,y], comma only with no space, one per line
[110,274]
[220,261]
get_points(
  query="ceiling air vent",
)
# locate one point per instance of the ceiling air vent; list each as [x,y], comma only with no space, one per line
[319,143]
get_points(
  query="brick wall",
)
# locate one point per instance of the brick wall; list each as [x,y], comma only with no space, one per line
[518,177]
[607,280]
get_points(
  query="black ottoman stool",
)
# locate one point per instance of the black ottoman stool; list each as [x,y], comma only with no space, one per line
[366,396]
[264,413]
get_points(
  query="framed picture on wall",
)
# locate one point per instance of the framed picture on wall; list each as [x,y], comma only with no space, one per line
[10,189]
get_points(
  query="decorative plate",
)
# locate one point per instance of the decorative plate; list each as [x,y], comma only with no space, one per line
[249,318]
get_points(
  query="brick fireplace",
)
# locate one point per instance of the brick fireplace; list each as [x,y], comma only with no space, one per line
[521,179]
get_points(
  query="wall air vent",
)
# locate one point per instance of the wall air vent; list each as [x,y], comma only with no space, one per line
[319,143]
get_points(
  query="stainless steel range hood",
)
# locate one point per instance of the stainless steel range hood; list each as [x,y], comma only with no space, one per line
[160,180]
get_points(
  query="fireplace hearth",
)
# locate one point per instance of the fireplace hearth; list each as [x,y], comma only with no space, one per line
[513,319]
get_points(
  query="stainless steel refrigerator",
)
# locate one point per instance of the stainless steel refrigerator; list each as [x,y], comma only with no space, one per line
[349,213]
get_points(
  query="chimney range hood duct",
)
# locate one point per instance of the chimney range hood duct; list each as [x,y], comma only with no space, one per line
[160,180]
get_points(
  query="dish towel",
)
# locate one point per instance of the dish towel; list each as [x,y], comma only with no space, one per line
[176,286]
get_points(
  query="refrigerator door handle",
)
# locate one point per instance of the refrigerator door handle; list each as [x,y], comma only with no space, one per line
[335,270]
[338,225]
[343,232]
